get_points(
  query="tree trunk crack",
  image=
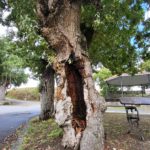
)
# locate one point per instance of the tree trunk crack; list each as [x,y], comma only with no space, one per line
[75,91]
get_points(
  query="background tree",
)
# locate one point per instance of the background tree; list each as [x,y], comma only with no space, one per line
[100,77]
[143,40]
[144,44]
[34,50]
[145,66]
[11,67]
[113,27]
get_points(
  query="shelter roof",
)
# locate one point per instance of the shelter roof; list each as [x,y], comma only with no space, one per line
[130,80]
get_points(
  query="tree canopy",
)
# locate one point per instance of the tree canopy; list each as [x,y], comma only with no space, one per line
[11,66]
[30,45]
[100,78]
[146,65]
[115,26]
[111,30]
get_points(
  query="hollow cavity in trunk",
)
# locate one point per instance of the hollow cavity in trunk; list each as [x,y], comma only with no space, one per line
[75,91]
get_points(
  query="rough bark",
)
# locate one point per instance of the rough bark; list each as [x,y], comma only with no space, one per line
[78,108]
[47,94]
[2,92]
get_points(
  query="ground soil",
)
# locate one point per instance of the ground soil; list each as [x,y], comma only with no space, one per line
[116,135]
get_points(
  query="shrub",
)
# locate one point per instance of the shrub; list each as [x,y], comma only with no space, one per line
[24,93]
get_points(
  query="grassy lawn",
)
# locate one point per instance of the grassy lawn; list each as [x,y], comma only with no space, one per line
[5,103]
[117,108]
[42,135]
[145,109]
[116,128]
[46,135]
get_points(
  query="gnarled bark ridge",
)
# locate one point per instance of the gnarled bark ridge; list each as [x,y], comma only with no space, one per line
[78,108]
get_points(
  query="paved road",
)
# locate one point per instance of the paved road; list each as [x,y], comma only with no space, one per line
[12,116]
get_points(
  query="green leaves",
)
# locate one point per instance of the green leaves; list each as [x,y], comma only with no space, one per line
[100,78]
[115,23]
[29,45]
[103,74]
[11,66]
[146,66]
[109,26]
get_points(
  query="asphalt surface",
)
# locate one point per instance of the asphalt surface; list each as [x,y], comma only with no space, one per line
[12,116]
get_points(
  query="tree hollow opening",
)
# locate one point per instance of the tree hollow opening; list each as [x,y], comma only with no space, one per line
[76,91]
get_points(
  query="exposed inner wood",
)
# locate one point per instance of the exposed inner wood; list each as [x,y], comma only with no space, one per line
[75,91]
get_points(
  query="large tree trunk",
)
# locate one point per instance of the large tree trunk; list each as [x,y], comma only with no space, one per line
[2,92]
[78,107]
[47,94]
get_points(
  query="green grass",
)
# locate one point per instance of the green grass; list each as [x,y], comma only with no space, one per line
[40,134]
[44,135]
[24,94]
[55,133]
[6,103]
[116,108]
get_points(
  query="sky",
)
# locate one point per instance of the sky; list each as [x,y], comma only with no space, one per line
[147,15]
[32,82]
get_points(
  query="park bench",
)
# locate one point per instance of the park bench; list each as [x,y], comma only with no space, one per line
[132,112]
[130,103]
